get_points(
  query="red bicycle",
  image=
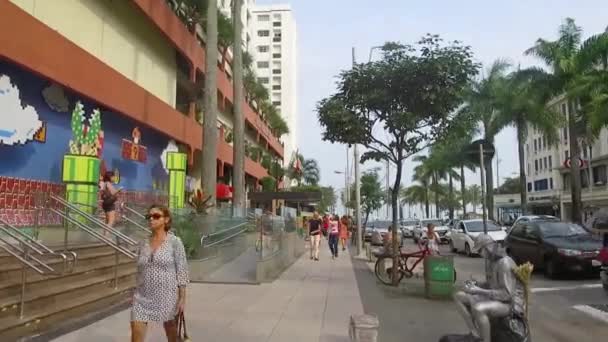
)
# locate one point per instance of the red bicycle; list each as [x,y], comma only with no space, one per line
[384,264]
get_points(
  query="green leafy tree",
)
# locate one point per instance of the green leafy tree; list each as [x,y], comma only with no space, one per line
[473,196]
[416,194]
[509,186]
[397,106]
[308,173]
[521,102]
[371,192]
[571,60]
[481,102]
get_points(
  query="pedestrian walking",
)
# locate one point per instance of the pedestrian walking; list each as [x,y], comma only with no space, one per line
[314,230]
[334,232]
[432,239]
[162,276]
[344,224]
[326,220]
[109,196]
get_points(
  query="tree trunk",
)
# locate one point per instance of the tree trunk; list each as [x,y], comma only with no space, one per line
[426,200]
[489,189]
[436,195]
[394,202]
[451,195]
[210,132]
[238,203]
[575,173]
[522,167]
[367,212]
[463,190]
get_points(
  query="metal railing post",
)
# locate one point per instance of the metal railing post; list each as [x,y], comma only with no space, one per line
[116,259]
[23,281]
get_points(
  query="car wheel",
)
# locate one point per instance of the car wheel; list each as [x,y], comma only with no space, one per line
[550,268]
[452,248]
[467,249]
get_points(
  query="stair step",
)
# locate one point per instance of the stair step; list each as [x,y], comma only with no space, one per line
[10,297]
[88,261]
[43,319]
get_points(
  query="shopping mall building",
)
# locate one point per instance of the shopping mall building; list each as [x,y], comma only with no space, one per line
[88,86]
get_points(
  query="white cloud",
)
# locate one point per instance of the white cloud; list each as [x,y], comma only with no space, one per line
[18,124]
[55,97]
[171,147]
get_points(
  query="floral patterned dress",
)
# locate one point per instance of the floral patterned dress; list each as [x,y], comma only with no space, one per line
[159,275]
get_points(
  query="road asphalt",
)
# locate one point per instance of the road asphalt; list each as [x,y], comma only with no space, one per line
[558,308]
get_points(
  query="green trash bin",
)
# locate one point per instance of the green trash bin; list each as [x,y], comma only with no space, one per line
[438,276]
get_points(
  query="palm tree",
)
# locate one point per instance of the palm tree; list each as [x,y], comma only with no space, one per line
[473,196]
[521,101]
[210,133]
[415,194]
[239,117]
[307,171]
[568,62]
[423,175]
[481,102]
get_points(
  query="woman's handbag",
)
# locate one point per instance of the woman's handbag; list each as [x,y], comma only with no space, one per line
[182,333]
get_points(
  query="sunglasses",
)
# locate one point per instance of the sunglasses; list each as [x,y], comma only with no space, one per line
[154,216]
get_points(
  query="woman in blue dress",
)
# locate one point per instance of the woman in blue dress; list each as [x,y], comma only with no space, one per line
[162,276]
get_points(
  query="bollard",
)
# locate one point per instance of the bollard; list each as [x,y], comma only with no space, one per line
[363,328]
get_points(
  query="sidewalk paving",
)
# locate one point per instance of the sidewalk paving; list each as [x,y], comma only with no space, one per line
[311,301]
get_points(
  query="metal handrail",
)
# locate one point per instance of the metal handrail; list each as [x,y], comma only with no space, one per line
[223,231]
[138,214]
[93,219]
[226,238]
[36,246]
[23,260]
[94,234]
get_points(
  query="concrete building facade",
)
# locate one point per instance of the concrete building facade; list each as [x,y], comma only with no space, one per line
[274,47]
[548,175]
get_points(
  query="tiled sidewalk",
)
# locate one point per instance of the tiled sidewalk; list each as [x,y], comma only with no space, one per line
[311,301]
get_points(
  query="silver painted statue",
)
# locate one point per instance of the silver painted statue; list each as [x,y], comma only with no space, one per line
[499,303]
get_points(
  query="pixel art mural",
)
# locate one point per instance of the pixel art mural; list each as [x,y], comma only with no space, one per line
[18,123]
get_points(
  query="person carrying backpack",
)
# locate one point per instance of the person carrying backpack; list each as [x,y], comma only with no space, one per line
[109,196]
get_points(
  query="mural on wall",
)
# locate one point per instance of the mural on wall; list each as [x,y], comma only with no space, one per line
[81,167]
[132,150]
[18,123]
[55,98]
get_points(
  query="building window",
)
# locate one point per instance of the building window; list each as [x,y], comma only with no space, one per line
[545,162]
[276,16]
[276,71]
[276,87]
[276,103]
[541,185]
[529,187]
[544,143]
[263,64]
[551,183]
[550,162]
[566,154]
[263,33]
[264,80]
[263,17]
[565,133]
[276,39]
[585,152]
[276,24]
[263,48]
[276,80]
[535,146]
[599,175]
[276,55]
[536,165]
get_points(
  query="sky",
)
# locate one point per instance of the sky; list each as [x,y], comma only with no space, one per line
[328,29]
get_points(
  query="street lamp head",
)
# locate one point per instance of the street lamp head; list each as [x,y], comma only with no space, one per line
[339,172]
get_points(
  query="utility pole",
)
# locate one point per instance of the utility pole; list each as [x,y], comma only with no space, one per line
[483,189]
[357,192]
[388,190]
[497,171]
[346,187]
[239,204]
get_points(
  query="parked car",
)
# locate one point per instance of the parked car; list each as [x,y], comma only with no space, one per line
[378,229]
[533,218]
[463,235]
[419,232]
[408,226]
[554,246]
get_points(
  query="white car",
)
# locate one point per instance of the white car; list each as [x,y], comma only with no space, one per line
[408,226]
[440,228]
[464,233]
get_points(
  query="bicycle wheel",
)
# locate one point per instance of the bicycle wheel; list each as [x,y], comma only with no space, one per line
[383,269]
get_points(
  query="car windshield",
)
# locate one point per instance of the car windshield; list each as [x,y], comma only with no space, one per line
[561,229]
[435,222]
[410,223]
[477,226]
[546,218]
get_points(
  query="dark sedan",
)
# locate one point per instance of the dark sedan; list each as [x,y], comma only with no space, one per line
[555,247]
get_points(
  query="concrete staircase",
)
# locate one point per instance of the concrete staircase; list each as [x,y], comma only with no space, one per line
[54,303]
